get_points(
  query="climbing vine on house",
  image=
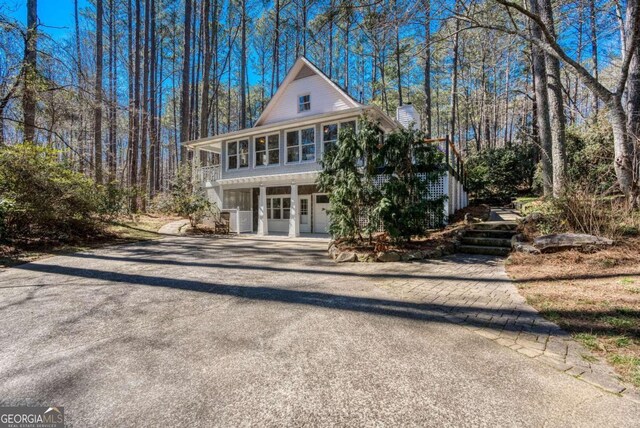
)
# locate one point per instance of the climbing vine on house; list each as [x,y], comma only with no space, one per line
[403,204]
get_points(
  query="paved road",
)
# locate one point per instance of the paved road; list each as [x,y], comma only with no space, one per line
[229,332]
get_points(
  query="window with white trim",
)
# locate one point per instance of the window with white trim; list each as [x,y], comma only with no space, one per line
[331,131]
[304,103]
[278,207]
[301,145]
[237,154]
[267,150]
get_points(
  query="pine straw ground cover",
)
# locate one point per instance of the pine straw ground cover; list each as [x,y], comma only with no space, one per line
[595,297]
[118,231]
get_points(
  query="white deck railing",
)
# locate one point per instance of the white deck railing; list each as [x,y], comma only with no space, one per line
[208,175]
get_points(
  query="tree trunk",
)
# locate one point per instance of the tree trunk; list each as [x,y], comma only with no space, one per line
[153,152]
[427,68]
[97,109]
[204,99]
[275,71]
[594,51]
[624,156]
[135,148]
[542,104]
[398,68]
[454,78]
[633,82]
[556,106]
[185,101]
[130,87]
[243,67]
[144,166]
[30,71]
[111,152]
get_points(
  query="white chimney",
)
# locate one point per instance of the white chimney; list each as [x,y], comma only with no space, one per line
[407,116]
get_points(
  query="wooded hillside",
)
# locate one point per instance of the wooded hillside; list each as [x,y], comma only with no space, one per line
[120,90]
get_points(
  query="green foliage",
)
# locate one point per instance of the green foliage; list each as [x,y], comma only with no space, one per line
[350,186]
[189,202]
[406,199]
[197,206]
[402,204]
[113,199]
[501,172]
[42,196]
[590,156]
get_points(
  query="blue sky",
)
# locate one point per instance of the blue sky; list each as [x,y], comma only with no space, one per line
[55,15]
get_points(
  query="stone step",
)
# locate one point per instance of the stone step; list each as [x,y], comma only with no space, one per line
[487,242]
[496,225]
[500,234]
[480,249]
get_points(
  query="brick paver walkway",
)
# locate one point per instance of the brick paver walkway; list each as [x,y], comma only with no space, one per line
[476,292]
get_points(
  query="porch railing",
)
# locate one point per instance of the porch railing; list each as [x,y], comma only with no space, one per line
[207,175]
[240,221]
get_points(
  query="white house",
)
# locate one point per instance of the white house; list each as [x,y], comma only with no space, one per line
[267,173]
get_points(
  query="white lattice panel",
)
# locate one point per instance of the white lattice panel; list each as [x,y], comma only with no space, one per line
[436,190]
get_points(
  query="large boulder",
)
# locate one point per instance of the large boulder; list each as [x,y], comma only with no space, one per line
[412,255]
[388,256]
[346,257]
[333,251]
[519,244]
[565,241]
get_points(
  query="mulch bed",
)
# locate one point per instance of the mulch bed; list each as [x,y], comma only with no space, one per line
[435,244]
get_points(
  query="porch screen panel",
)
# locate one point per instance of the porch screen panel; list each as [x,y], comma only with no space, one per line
[237,198]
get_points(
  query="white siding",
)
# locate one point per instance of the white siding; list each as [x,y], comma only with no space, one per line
[324,99]
[407,116]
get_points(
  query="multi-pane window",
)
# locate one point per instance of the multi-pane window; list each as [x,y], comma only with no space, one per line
[329,136]
[331,131]
[304,210]
[238,154]
[301,145]
[278,208]
[304,103]
[267,150]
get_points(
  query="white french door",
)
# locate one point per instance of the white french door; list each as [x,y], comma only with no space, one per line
[304,208]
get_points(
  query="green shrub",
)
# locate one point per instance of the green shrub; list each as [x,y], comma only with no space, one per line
[186,201]
[352,194]
[196,206]
[406,199]
[163,203]
[46,197]
[401,205]
[113,199]
[590,156]
[501,172]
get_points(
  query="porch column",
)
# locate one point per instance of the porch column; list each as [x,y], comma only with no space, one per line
[263,222]
[294,221]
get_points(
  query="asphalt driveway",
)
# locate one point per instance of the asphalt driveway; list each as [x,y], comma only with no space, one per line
[241,331]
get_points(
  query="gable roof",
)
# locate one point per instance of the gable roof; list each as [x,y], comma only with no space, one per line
[303,68]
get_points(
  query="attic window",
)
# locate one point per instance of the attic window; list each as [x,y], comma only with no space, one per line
[304,103]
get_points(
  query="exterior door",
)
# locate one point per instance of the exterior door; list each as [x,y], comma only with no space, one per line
[320,214]
[304,205]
